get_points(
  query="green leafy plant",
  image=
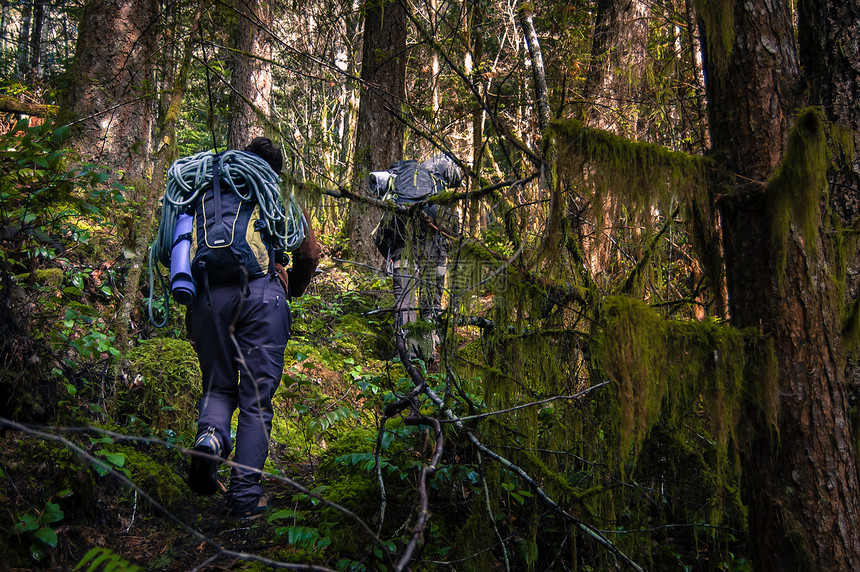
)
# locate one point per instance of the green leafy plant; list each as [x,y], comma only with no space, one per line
[98,556]
[59,217]
[37,528]
[306,537]
[111,460]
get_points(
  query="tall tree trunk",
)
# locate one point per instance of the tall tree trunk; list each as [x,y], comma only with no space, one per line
[799,477]
[24,40]
[526,17]
[612,85]
[111,84]
[830,54]
[618,52]
[434,60]
[379,136]
[167,60]
[475,56]
[36,40]
[111,98]
[251,100]
[164,155]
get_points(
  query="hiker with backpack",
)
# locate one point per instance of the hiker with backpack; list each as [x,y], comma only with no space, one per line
[416,247]
[234,229]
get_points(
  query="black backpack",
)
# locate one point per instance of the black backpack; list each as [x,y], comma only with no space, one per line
[409,183]
[413,182]
[230,241]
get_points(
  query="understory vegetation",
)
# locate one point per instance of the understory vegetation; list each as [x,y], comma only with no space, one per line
[569,436]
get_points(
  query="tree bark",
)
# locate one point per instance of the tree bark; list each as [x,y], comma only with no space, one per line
[799,477]
[110,94]
[526,17]
[251,99]
[165,154]
[34,70]
[618,50]
[475,51]
[379,137]
[830,55]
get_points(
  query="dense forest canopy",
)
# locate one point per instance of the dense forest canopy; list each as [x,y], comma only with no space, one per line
[651,317]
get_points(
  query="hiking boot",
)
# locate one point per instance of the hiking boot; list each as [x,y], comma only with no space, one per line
[251,511]
[203,477]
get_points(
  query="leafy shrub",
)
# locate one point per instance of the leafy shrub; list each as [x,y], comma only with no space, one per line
[52,294]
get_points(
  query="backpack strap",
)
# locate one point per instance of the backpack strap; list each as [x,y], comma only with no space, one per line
[219,237]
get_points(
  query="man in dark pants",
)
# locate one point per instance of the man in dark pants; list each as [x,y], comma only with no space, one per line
[240,333]
[418,281]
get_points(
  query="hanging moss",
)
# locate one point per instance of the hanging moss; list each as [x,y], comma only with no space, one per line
[796,189]
[470,542]
[843,141]
[851,327]
[634,341]
[641,173]
[643,352]
[639,176]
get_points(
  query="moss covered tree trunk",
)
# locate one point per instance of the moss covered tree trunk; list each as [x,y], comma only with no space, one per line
[379,135]
[110,97]
[799,471]
[166,153]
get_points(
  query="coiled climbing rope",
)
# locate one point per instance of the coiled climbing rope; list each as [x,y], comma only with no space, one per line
[246,174]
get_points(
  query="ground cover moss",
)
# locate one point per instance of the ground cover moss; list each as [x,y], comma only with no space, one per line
[154,474]
[164,387]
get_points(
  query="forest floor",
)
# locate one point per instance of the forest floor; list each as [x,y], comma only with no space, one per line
[178,531]
[59,504]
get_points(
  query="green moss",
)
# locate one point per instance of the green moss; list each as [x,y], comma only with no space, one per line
[851,327]
[762,375]
[640,171]
[718,22]
[643,352]
[639,176]
[472,538]
[797,187]
[154,475]
[49,276]
[359,493]
[164,386]
[843,140]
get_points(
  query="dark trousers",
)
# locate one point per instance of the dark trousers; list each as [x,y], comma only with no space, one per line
[240,338]
[418,284]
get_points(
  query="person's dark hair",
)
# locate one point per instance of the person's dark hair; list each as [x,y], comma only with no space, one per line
[266,150]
